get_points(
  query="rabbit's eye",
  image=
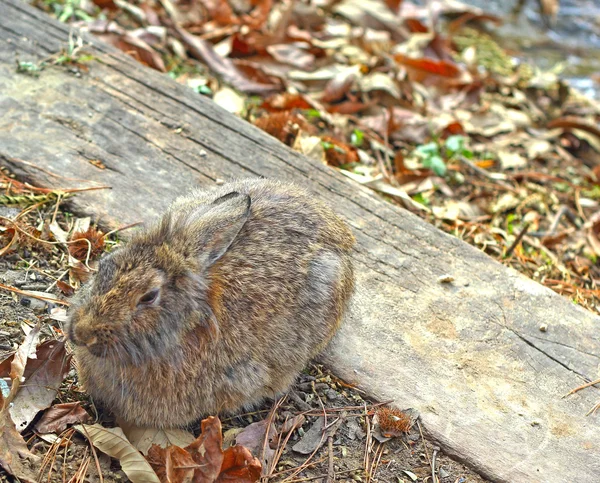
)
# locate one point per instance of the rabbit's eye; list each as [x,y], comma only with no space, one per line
[150,297]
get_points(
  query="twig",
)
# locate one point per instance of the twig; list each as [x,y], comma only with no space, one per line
[367,444]
[301,467]
[577,389]
[302,405]
[33,295]
[310,478]
[269,423]
[482,172]
[330,471]
[434,478]
[121,228]
[98,467]
[10,159]
[279,473]
[424,444]
[349,408]
[376,460]
[518,239]
[39,240]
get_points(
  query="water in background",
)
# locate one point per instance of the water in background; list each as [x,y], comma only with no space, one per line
[573,40]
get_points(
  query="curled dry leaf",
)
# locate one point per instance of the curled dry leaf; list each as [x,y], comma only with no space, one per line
[240,466]
[172,465]
[87,242]
[56,419]
[114,443]
[207,451]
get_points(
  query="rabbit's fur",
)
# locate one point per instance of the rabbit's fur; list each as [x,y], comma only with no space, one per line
[250,281]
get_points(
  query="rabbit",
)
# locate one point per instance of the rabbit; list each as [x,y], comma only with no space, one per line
[216,306]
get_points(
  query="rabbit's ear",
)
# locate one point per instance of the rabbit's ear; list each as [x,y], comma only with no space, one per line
[220,224]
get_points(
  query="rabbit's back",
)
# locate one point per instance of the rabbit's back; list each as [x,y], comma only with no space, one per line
[280,291]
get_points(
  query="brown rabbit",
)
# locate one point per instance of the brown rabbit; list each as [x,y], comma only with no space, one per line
[216,306]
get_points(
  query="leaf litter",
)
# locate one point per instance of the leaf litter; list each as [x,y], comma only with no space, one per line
[421,105]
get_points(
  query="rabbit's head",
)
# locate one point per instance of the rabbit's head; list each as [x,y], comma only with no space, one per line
[146,295]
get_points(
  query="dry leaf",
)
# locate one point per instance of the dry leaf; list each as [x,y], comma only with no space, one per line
[43,377]
[86,244]
[511,159]
[172,465]
[114,443]
[143,438]
[252,437]
[239,466]
[56,419]
[17,364]
[230,100]
[15,457]
[224,67]
[293,55]
[207,451]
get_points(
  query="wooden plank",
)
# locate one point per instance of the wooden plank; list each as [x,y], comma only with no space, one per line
[469,355]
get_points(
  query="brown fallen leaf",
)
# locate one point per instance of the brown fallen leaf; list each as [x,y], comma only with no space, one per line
[440,68]
[284,125]
[15,457]
[293,55]
[394,5]
[138,49]
[572,122]
[223,67]
[337,88]
[172,465]
[207,451]
[468,17]
[220,11]
[338,153]
[252,437]
[65,288]
[286,102]
[239,466]
[56,418]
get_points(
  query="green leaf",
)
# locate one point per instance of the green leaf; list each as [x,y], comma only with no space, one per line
[313,113]
[357,137]
[456,144]
[436,163]
[427,150]
[66,13]
[204,90]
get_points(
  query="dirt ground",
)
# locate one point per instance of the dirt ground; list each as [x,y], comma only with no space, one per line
[402,459]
